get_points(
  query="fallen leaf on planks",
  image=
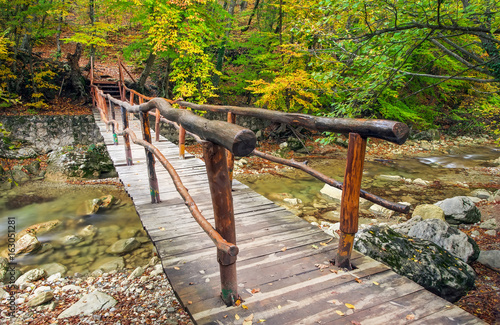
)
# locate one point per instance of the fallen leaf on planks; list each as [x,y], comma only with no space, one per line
[339,312]
[248,320]
[314,246]
[322,266]
[350,306]
[254,291]
[237,317]
[176,268]
[410,317]
[358,280]
[244,306]
[376,283]
[283,249]
[323,244]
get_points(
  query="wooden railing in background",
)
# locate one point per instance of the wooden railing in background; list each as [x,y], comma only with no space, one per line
[237,141]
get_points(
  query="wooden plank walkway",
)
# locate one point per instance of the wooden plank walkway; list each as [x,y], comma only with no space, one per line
[277,274]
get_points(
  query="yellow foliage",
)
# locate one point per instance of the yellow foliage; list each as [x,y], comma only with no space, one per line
[291,92]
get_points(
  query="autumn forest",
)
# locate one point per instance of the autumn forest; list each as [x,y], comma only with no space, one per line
[430,64]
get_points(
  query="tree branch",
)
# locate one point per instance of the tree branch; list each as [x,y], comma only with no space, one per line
[459,58]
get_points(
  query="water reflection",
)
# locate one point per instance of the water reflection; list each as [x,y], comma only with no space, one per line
[64,203]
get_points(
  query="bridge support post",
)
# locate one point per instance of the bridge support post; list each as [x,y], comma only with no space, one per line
[349,206]
[150,159]
[231,118]
[113,116]
[126,137]
[222,201]
[157,125]
[182,140]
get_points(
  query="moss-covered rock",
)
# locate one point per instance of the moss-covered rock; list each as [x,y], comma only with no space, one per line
[420,260]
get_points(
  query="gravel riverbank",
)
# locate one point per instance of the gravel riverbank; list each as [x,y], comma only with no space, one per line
[143,296]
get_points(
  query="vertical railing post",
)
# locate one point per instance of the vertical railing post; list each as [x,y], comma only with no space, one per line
[112,110]
[182,139]
[157,125]
[104,108]
[349,206]
[126,137]
[222,201]
[120,81]
[150,159]
[231,118]
[131,103]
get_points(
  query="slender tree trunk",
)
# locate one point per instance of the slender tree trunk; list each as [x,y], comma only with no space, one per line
[147,70]
[254,10]
[92,23]
[59,30]
[222,50]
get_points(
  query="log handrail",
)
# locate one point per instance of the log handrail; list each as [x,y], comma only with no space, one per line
[238,140]
[391,131]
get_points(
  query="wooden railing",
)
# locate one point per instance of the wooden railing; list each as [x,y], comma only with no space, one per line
[222,140]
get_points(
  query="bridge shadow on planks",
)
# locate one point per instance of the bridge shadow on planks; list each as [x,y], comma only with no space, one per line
[280,277]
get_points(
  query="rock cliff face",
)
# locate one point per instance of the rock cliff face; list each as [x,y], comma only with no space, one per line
[37,135]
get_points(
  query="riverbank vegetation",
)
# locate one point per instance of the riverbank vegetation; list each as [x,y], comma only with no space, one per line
[431,65]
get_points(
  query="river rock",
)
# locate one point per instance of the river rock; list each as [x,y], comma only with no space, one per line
[108,264]
[136,273]
[491,233]
[331,216]
[88,232]
[404,227]
[481,194]
[491,259]
[380,211]
[428,211]
[3,294]
[495,196]
[292,201]
[460,209]
[53,268]
[30,276]
[88,304]
[331,192]
[420,260]
[390,178]
[440,233]
[489,224]
[123,246]
[40,228]
[27,244]
[71,240]
[421,182]
[40,298]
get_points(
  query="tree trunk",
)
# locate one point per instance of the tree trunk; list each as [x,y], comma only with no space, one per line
[147,70]
[75,75]
[222,49]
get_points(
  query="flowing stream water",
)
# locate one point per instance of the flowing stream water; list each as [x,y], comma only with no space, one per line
[448,176]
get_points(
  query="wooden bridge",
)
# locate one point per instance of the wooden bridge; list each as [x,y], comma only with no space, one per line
[283,274]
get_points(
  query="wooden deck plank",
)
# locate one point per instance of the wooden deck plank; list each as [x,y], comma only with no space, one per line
[279,255]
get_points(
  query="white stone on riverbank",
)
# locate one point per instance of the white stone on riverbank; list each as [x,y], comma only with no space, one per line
[89,303]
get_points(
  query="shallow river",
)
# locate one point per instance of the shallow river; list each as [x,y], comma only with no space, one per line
[448,176]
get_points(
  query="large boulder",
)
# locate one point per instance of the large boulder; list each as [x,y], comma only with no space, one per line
[491,259]
[454,241]
[428,211]
[420,260]
[460,209]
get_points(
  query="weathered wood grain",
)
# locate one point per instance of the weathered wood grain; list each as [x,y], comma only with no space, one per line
[279,255]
